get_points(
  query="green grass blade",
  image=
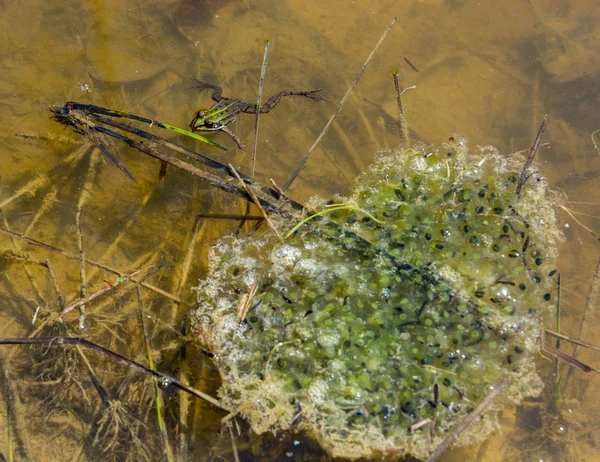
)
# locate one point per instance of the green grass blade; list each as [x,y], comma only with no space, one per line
[181,131]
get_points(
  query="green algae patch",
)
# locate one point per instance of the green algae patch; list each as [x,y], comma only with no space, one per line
[409,300]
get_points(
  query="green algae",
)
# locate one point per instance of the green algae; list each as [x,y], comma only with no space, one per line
[409,303]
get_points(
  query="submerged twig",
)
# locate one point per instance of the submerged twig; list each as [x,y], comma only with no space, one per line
[51,341]
[557,376]
[256,201]
[338,110]
[420,424]
[452,437]
[85,300]
[568,359]
[89,262]
[229,216]
[532,151]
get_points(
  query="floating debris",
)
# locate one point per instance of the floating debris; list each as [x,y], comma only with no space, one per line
[405,303]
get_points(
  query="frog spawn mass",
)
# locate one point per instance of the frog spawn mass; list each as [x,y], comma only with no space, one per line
[407,303]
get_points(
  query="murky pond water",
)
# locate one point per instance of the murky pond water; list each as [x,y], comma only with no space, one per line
[488,72]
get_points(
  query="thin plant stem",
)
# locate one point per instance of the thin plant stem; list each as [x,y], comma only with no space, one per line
[338,110]
[8,415]
[90,262]
[236,456]
[401,116]
[167,453]
[229,216]
[52,341]
[255,200]
[591,300]
[591,346]
[261,84]
[532,152]
[558,312]
[557,375]
[328,210]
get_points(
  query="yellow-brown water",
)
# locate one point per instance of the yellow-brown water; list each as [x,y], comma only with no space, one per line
[490,72]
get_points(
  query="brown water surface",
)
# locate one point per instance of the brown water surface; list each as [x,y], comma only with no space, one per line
[487,70]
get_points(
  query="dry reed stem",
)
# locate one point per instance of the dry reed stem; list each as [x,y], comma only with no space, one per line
[532,152]
[83,197]
[261,84]
[245,305]
[420,424]
[572,340]
[401,116]
[568,358]
[338,110]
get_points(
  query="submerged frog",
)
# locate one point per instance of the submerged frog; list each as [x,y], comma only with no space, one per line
[225,110]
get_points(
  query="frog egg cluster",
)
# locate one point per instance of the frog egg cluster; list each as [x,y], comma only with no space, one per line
[407,303]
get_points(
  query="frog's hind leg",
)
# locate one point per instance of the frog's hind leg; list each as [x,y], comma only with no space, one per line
[217,91]
[233,137]
[315,95]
